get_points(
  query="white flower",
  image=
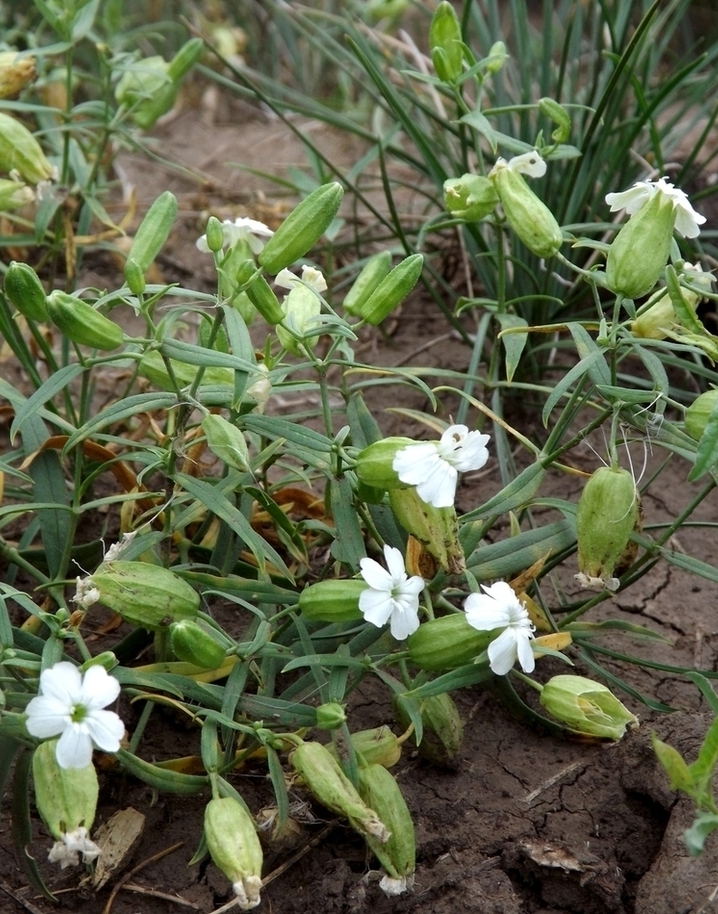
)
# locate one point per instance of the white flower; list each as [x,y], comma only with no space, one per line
[434,466]
[73,843]
[688,221]
[68,705]
[528,163]
[391,594]
[311,277]
[250,231]
[499,607]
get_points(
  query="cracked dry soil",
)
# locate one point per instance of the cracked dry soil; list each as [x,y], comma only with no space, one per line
[525,824]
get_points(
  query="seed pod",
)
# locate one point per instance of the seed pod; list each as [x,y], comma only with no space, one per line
[14,194]
[332,601]
[194,644]
[260,293]
[374,463]
[446,643]
[443,734]
[185,59]
[214,235]
[66,798]
[333,789]
[587,707]
[608,511]
[331,715]
[234,846]
[392,290]
[21,152]
[530,218]
[371,274]
[437,529]
[146,595]
[379,789]
[25,291]
[15,73]
[154,230]
[226,441]
[445,43]
[81,323]
[699,412]
[302,228]
[377,746]
[639,252]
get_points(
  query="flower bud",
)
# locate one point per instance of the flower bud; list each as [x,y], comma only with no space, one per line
[302,309]
[332,601]
[145,595]
[226,441]
[443,731]
[25,291]
[377,746]
[371,274]
[699,412]
[194,644]
[66,798]
[82,323]
[214,235]
[15,73]
[14,194]
[446,643]
[660,319]
[608,512]
[332,788]
[260,292]
[234,846]
[445,43]
[379,789]
[640,251]
[497,57]
[437,529]
[135,276]
[470,197]
[392,290]
[330,715]
[20,152]
[530,218]
[374,463]
[587,707]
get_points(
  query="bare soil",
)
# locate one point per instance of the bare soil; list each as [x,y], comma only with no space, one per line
[525,824]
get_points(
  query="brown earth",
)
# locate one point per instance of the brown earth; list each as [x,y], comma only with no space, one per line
[526,824]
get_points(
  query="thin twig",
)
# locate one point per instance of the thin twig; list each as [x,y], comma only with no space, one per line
[29,906]
[143,890]
[304,849]
[140,866]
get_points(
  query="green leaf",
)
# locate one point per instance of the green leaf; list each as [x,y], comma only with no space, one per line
[695,836]
[57,523]
[123,409]
[707,449]
[674,765]
[702,769]
[514,343]
[571,377]
[514,554]
[515,495]
[348,546]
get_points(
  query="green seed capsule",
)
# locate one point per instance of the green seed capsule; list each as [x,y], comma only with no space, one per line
[331,715]
[194,644]
[639,252]
[66,798]
[392,290]
[145,595]
[587,707]
[81,323]
[333,789]
[699,412]
[608,512]
[376,746]
[24,289]
[371,274]
[234,846]
[302,228]
[21,152]
[437,529]
[154,230]
[379,790]
[260,293]
[530,218]
[446,643]
[332,601]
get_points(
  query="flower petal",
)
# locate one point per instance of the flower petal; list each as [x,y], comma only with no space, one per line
[63,681]
[46,716]
[502,652]
[439,489]
[395,563]
[412,587]
[524,651]
[74,748]
[404,621]
[377,577]
[528,163]
[473,454]
[106,730]
[376,606]
[98,688]
[416,462]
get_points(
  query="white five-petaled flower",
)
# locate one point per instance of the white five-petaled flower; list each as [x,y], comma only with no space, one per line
[69,706]
[251,231]
[499,608]
[391,595]
[311,277]
[688,221]
[434,466]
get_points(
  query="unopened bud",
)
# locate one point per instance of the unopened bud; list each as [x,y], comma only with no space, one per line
[446,44]
[192,643]
[331,715]
[587,707]
[332,601]
[379,789]
[470,197]
[21,153]
[699,412]
[226,441]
